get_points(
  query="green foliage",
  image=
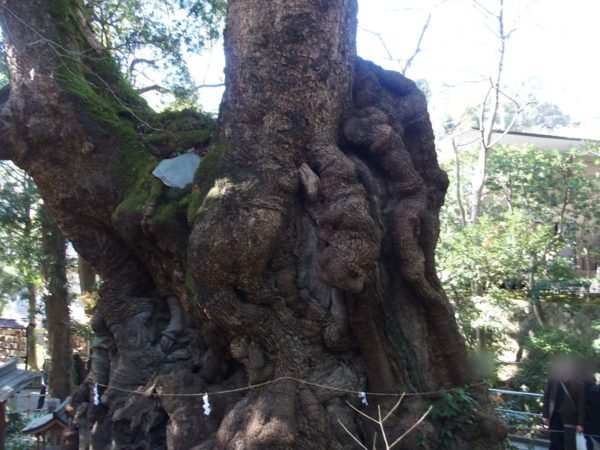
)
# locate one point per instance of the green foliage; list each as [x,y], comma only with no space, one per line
[20,442]
[175,131]
[15,439]
[536,115]
[152,41]
[486,365]
[596,343]
[539,181]
[454,412]
[494,251]
[537,203]
[520,424]
[494,256]
[83,331]
[16,422]
[107,104]
[157,34]
[20,233]
[9,286]
[531,114]
[542,348]
[206,176]
[145,187]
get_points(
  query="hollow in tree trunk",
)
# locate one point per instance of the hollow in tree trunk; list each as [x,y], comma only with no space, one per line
[304,249]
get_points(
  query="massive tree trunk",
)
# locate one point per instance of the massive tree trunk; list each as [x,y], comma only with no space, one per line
[305,248]
[56,301]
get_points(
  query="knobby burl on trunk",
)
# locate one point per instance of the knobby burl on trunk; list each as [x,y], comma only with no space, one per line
[304,249]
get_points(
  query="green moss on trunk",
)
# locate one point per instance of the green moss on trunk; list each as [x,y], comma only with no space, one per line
[210,170]
[93,81]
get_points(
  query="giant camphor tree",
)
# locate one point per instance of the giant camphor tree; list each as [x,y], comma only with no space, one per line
[304,249]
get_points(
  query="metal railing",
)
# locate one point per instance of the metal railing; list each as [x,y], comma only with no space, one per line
[522,393]
[517,394]
[516,419]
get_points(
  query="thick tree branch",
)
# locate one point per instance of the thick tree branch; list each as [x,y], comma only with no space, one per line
[136,61]
[153,87]
[162,89]
[208,86]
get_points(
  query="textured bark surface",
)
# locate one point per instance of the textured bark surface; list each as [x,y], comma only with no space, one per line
[56,302]
[32,360]
[304,249]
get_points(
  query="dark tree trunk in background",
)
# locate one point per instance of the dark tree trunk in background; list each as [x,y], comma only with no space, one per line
[32,359]
[304,249]
[32,362]
[56,301]
[536,304]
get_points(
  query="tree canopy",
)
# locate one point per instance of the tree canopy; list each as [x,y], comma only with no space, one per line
[20,233]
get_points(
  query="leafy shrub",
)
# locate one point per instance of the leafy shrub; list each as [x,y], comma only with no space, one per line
[542,348]
[453,413]
[15,439]
[517,412]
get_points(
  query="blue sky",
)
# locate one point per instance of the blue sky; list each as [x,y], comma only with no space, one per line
[553,51]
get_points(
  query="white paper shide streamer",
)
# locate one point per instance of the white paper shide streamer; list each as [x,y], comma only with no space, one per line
[363,398]
[96,395]
[206,405]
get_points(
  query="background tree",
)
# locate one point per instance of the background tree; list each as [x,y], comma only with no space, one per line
[540,208]
[20,243]
[303,250]
[539,116]
[153,42]
[56,302]
[485,117]
[34,249]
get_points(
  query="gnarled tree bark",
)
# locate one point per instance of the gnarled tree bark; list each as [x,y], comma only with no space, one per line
[305,248]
